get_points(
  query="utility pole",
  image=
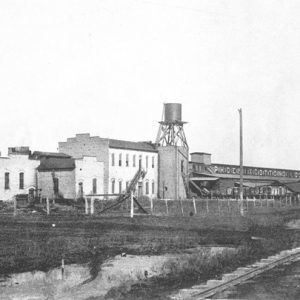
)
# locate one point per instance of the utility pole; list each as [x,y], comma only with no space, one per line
[241,160]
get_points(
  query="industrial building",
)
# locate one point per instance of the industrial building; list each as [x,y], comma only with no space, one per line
[92,165]
[223,179]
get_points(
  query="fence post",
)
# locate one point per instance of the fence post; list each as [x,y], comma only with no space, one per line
[181,207]
[86,205]
[167,209]
[194,203]
[151,204]
[92,205]
[48,205]
[228,203]
[15,205]
[131,205]
[62,268]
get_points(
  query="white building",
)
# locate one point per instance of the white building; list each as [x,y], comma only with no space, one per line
[121,161]
[17,173]
[89,175]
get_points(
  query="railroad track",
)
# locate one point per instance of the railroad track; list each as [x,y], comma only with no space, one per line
[240,275]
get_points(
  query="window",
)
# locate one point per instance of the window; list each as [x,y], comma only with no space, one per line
[6,184]
[182,166]
[147,162]
[112,159]
[127,160]
[133,161]
[140,161]
[153,187]
[94,185]
[120,187]
[152,161]
[147,187]
[120,159]
[21,181]
[113,186]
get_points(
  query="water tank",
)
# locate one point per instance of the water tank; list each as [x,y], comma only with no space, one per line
[172,112]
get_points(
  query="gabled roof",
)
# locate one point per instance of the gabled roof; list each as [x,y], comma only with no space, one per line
[42,154]
[139,146]
[56,164]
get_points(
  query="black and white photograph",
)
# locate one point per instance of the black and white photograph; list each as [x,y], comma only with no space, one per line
[150,149]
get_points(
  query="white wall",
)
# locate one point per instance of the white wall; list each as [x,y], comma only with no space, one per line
[126,173]
[14,165]
[88,168]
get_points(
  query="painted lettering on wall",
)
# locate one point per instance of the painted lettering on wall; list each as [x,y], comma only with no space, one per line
[252,171]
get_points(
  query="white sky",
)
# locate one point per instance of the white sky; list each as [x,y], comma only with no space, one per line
[106,67]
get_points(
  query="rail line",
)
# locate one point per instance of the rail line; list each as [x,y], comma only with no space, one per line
[212,287]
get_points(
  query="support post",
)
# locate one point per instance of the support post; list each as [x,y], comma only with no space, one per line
[151,205]
[86,205]
[207,208]
[131,205]
[48,205]
[167,209]
[181,206]
[62,268]
[241,161]
[15,205]
[92,205]
[194,203]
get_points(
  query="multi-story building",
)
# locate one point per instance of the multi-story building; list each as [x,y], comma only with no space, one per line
[121,161]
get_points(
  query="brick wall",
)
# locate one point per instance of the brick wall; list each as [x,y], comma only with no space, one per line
[66,183]
[85,145]
[169,171]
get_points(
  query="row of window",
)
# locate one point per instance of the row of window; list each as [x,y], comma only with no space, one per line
[7,181]
[147,187]
[127,163]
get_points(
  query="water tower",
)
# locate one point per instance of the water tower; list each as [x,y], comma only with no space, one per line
[173,153]
[170,131]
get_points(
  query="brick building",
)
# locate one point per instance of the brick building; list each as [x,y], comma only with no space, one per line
[121,161]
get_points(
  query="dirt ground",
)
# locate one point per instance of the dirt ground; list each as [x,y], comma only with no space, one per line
[33,241]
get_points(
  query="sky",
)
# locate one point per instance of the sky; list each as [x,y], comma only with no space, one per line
[106,67]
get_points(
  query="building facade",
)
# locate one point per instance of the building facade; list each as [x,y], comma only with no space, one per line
[17,173]
[224,178]
[121,161]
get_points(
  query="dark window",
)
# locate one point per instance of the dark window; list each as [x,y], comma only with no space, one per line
[112,159]
[152,187]
[182,166]
[127,160]
[56,185]
[113,186]
[147,187]
[6,184]
[147,162]
[94,186]
[120,187]
[152,161]
[140,161]
[21,181]
[120,159]
[133,161]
